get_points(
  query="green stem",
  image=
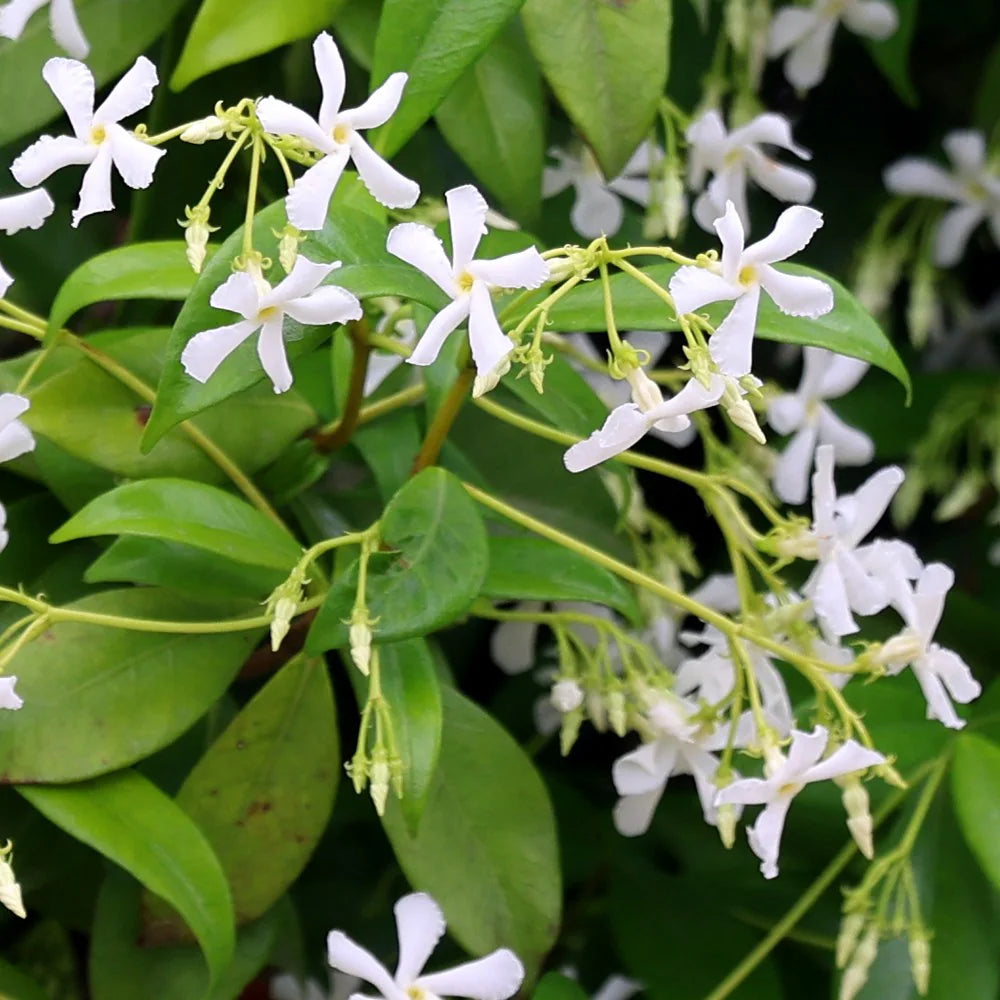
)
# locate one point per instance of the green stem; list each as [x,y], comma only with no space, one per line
[447,412]
[341,434]
[255,157]
[366,414]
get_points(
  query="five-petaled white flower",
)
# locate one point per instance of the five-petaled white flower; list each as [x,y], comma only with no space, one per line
[742,273]
[300,295]
[972,184]
[841,582]
[335,134]
[419,926]
[806,34]
[467,282]
[942,674]
[22,211]
[63,23]
[732,156]
[825,375]
[784,778]
[597,209]
[98,139]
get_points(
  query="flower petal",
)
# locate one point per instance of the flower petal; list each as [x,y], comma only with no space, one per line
[205,351]
[346,956]
[731,346]
[765,835]
[8,696]
[746,792]
[306,275]
[25,211]
[694,396]
[281,118]
[66,29]
[922,177]
[6,280]
[134,159]
[596,210]
[796,294]
[15,440]
[325,306]
[12,405]
[512,644]
[955,674]
[866,594]
[637,189]
[467,210]
[870,501]
[132,93]
[646,768]
[332,78]
[380,106]
[733,239]
[14,16]
[966,148]
[795,227]
[789,27]
[308,201]
[935,581]
[692,288]
[437,331]
[872,18]
[828,594]
[95,191]
[838,374]
[556,179]
[808,59]
[953,232]
[846,759]
[490,345]
[419,926]
[784,182]
[524,269]
[633,813]
[49,154]
[384,182]
[770,129]
[495,977]
[419,247]
[239,294]
[939,705]
[73,85]
[791,471]
[850,446]
[707,137]
[787,413]
[626,425]
[271,351]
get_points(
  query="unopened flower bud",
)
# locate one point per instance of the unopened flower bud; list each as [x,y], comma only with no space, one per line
[859,817]
[535,362]
[199,132]
[741,413]
[10,890]
[289,239]
[617,714]
[922,309]
[856,974]
[196,232]
[737,24]
[282,606]
[566,695]
[569,730]
[725,823]
[961,496]
[850,930]
[878,275]
[360,638]
[380,775]
[596,710]
[920,961]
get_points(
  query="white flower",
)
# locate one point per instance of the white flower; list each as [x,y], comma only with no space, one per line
[419,926]
[784,778]
[63,23]
[381,364]
[742,273]
[841,583]
[98,139]
[597,209]
[22,211]
[943,675]
[335,133]
[806,34]
[467,282]
[300,296]
[8,696]
[972,184]
[825,375]
[732,156]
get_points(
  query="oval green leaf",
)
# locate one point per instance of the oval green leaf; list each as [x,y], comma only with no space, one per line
[178,510]
[975,786]
[130,821]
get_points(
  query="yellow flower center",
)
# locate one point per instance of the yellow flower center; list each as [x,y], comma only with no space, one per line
[340,133]
[415,993]
[747,275]
[465,281]
[98,134]
[732,157]
[267,313]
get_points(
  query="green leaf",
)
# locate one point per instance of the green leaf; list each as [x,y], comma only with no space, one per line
[494,118]
[975,785]
[15,985]
[356,27]
[555,986]
[892,55]
[118,30]
[526,568]
[137,271]
[157,563]
[121,968]
[434,41]
[607,63]
[99,698]
[229,31]
[131,822]
[848,329]
[263,792]
[987,109]
[486,847]
[432,576]
[178,510]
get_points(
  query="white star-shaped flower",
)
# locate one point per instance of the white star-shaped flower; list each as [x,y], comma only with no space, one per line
[22,211]
[63,23]
[971,184]
[8,696]
[942,674]
[806,33]
[784,778]
[841,583]
[732,156]
[419,926]
[742,273]
[336,134]
[301,295]
[805,415]
[467,282]
[597,209]
[98,139]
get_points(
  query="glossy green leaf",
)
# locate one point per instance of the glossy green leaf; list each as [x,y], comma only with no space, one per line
[229,31]
[975,785]
[528,568]
[99,698]
[178,510]
[555,986]
[486,846]
[356,27]
[137,271]
[433,573]
[118,30]
[848,329]
[494,118]
[892,54]
[131,822]
[263,792]
[434,41]
[607,63]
